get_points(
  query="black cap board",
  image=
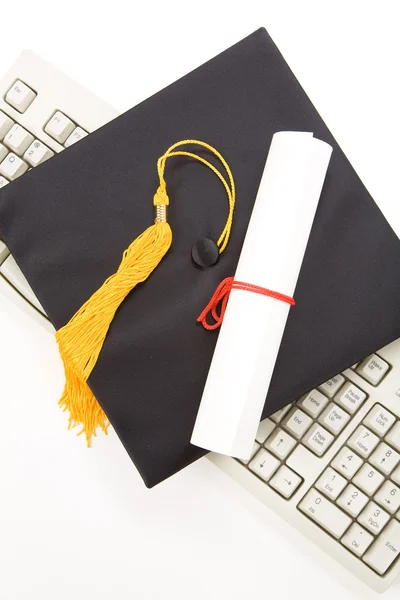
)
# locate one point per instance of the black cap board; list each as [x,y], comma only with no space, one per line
[68,221]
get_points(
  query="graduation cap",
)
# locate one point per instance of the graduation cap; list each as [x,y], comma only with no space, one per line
[68,222]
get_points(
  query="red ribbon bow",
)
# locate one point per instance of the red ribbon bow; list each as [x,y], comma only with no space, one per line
[221,295]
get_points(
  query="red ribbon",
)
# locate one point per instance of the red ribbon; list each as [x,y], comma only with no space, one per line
[221,295]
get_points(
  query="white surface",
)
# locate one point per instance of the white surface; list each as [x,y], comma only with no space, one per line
[80,524]
[271,257]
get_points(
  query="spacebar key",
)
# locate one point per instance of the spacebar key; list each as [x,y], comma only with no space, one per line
[10,271]
[326,514]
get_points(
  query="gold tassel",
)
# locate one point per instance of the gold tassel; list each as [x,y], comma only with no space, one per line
[80,341]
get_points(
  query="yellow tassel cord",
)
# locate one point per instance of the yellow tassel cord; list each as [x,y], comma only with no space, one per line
[80,341]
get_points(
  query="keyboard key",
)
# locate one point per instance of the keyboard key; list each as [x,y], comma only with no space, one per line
[285,481]
[352,500]
[331,483]
[373,369]
[14,275]
[393,437]
[385,549]
[368,479]
[347,463]
[20,96]
[297,423]
[59,127]
[313,403]
[318,439]
[326,514]
[280,443]
[18,139]
[264,464]
[379,420]
[350,397]
[12,167]
[363,441]
[389,497]
[385,458]
[265,428]
[3,248]
[5,124]
[357,539]
[334,418]
[396,475]
[37,153]
[278,416]
[374,518]
[3,152]
[75,136]
[246,461]
[332,386]
[3,181]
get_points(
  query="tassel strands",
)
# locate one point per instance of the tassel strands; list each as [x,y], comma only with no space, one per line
[80,341]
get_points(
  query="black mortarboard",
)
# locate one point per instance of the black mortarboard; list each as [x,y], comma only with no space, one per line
[68,221]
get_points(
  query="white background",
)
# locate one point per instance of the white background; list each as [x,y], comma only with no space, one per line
[80,524]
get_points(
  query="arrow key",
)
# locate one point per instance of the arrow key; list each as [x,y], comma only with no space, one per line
[285,481]
[264,464]
[280,443]
[389,497]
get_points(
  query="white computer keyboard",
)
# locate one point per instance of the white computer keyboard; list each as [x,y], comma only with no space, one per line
[42,112]
[328,463]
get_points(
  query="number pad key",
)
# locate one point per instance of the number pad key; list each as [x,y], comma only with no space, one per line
[331,483]
[285,481]
[385,458]
[350,397]
[18,139]
[389,497]
[12,167]
[393,437]
[379,420]
[313,403]
[357,539]
[318,439]
[396,475]
[385,549]
[352,500]
[368,479]
[20,96]
[363,441]
[347,463]
[334,418]
[297,423]
[37,153]
[374,518]
[326,514]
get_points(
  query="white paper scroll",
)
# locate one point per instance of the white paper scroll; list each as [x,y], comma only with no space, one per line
[253,326]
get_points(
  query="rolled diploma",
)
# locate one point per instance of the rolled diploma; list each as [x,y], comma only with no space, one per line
[253,326]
